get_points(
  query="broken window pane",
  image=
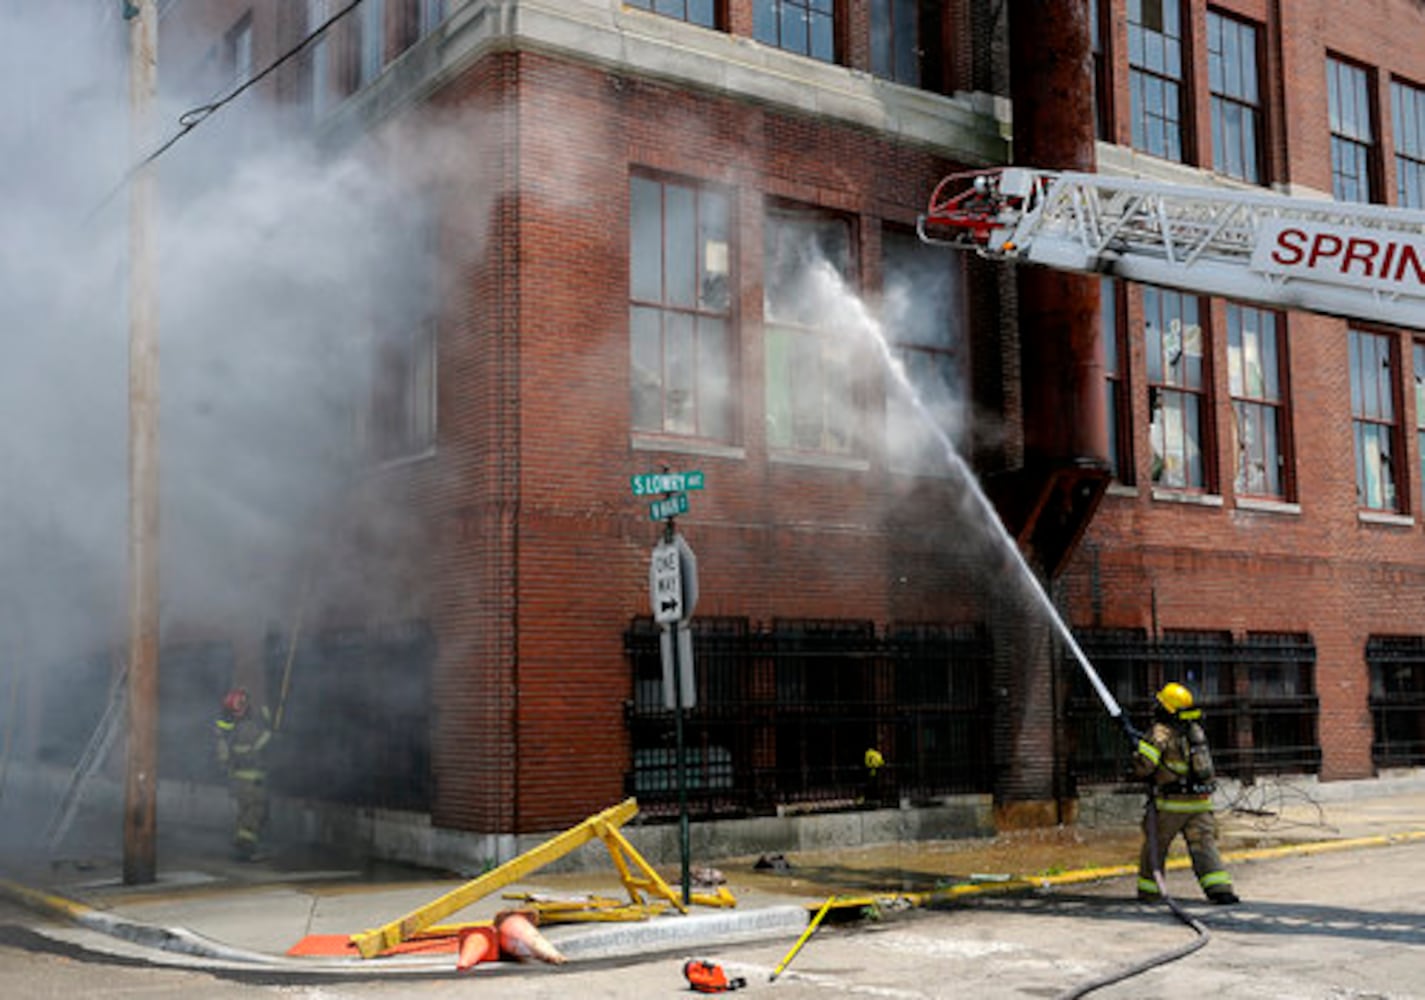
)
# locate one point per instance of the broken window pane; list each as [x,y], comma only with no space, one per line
[922,303]
[679,284]
[1174,349]
[809,367]
[1254,381]
[1377,433]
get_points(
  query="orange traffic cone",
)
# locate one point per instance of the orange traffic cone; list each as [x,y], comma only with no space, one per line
[520,941]
[477,944]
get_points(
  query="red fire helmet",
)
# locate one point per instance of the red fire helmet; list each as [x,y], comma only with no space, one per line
[235,701]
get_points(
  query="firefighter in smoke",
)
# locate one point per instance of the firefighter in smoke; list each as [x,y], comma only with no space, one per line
[1173,756]
[242,737]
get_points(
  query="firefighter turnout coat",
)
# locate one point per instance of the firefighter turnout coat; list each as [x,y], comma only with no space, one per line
[1173,756]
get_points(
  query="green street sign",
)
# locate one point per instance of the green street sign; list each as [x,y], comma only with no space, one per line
[649,483]
[660,510]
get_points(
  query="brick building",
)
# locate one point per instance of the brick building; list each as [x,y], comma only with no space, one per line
[1265,497]
[652,230]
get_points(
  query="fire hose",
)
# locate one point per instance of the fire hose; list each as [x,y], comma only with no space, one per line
[1150,827]
[1150,824]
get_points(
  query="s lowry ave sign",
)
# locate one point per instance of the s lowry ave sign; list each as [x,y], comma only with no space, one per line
[649,483]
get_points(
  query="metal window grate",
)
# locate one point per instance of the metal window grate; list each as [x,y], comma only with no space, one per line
[787,710]
[1258,697]
[1397,699]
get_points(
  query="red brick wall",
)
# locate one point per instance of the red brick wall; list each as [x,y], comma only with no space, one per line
[1320,570]
[539,554]
[772,539]
[471,491]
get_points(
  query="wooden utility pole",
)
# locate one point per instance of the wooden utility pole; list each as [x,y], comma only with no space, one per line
[141,786]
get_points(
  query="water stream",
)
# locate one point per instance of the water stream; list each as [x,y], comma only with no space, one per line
[849,306]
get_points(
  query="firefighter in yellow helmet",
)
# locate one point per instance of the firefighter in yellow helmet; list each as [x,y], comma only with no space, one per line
[875,781]
[1174,758]
[242,736]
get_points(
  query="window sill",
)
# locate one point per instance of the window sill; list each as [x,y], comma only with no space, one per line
[395,462]
[844,462]
[687,446]
[1381,517]
[1267,506]
[1183,496]
[939,471]
[1117,489]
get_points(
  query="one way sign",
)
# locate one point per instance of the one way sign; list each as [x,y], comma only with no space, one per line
[673,581]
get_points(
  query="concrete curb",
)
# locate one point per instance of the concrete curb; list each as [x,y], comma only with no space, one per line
[593,943]
[704,930]
[1082,875]
[181,942]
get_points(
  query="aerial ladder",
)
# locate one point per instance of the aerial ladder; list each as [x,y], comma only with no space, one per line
[1361,262]
[1344,259]
[1357,261]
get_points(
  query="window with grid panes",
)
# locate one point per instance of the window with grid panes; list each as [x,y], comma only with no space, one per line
[810,367]
[1155,76]
[1102,86]
[806,27]
[1236,100]
[319,59]
[922,296]
[1373,411]
[404,411]
[237,51]
[432,13]
[372,45]
[895,40]
[414,19]
[1418,352]
[1120,437]
[703,12]
[1254,378]
[1353,149]
[680,307]
[1175,358]
[1407,106]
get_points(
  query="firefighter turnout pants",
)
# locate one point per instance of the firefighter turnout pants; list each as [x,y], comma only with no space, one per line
[249,791]
[1194,819]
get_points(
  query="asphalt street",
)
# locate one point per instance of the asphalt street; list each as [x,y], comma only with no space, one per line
[1337,925]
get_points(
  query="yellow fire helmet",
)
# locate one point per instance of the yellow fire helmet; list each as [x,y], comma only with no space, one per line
[1175,698]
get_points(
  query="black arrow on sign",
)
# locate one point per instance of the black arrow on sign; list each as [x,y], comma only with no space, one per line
[668,606]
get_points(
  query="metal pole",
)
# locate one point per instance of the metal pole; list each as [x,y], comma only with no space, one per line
[141,785]
[684,842]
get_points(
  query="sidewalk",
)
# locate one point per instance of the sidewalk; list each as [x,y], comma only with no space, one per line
[207,910]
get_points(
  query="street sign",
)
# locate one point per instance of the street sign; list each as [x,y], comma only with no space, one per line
[665,583]
[686,694]
[673,581]
[649,483]
[661,510]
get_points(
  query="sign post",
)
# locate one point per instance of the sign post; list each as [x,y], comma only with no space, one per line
[673,593]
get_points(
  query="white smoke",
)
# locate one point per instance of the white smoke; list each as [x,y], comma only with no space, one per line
[277,264]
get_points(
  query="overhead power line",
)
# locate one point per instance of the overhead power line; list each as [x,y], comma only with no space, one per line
[194,117]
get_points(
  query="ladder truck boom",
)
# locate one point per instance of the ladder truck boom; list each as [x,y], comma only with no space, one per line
[1344,259]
